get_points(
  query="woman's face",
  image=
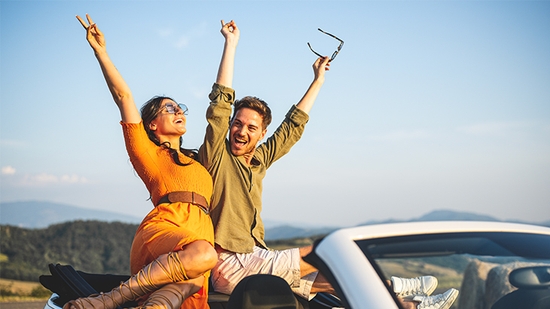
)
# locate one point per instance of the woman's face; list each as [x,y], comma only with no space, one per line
[170,121]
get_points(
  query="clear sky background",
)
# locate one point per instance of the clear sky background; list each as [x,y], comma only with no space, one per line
[430,104]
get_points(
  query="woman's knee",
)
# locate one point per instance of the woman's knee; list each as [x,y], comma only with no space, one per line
[200,256]
[209,255]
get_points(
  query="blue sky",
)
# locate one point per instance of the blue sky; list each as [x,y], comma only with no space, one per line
[429,105]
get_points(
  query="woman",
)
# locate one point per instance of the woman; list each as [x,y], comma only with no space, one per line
[173,251]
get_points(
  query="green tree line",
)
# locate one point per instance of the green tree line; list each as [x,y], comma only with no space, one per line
[89,246]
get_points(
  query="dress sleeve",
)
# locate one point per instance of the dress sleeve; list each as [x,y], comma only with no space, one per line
[138,145]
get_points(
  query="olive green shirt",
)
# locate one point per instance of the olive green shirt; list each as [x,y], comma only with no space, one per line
[237,197]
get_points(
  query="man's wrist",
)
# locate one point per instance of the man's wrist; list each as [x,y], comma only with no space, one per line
[231,43]
[320,80]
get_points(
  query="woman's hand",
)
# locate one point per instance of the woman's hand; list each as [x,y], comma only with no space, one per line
[93,35]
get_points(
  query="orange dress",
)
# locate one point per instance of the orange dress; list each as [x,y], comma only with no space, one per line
[168,227]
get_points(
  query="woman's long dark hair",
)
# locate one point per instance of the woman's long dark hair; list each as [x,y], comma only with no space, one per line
[149,111]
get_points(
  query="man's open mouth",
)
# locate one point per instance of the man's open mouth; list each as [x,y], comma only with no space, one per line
[239,141]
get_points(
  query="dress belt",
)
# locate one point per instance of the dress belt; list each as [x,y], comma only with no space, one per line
[186,197]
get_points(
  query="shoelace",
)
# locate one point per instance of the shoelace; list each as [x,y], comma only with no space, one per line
[160,298]
[91,301]
[412,287]
[429,301]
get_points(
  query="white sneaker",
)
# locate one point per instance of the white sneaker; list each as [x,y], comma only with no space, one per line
[422,286]
[440,301]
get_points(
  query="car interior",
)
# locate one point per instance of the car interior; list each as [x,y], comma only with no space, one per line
[491,270]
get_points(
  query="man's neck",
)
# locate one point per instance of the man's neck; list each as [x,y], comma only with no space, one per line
[248,157]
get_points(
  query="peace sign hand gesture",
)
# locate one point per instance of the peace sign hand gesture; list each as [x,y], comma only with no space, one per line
[93,35]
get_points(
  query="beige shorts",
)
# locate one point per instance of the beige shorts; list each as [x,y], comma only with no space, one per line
[233,267]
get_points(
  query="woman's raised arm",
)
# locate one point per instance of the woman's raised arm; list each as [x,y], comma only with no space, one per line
[119,89]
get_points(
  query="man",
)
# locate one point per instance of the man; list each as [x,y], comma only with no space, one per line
[238,165]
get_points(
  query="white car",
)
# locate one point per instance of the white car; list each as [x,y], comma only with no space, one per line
[493,265]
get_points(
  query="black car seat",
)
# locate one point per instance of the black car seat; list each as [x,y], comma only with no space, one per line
[263,292]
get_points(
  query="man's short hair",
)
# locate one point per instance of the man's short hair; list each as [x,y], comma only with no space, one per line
[256,104]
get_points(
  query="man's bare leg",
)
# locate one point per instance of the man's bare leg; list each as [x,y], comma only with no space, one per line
[320,284]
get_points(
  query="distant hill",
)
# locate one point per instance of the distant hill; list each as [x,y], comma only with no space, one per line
[39,214]
[287,232]
[440,215]
[449,215]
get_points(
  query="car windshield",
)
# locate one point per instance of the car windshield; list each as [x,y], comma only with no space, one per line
[477,264]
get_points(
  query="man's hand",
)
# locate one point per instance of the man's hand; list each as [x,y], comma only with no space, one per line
[321,65]
[230,32]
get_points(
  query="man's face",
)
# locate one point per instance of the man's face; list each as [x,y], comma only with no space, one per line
[245,132]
